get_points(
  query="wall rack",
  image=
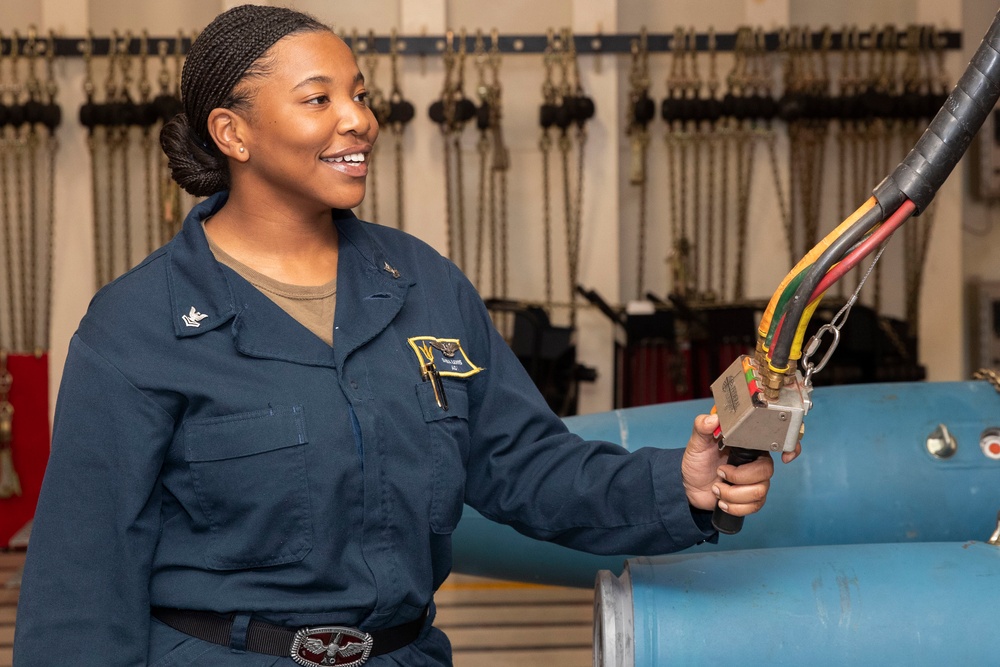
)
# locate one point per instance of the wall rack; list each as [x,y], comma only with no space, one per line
[422,45]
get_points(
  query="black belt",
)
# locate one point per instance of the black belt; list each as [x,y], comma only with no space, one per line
[315,646]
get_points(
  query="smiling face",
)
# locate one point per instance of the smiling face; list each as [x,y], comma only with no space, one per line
[308,133]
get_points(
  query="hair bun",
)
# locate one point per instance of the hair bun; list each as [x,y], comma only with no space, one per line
[201,170]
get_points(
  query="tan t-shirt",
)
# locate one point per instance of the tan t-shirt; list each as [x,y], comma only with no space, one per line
[311,306]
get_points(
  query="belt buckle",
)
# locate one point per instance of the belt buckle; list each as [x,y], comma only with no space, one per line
[331,645]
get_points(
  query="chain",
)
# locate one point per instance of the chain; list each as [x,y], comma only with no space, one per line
[696,221]
[817,161]
[459,198]
[745,145]
[726,140]
[88,89]
[676,168]
[709,293]
[771,141]
[564,150]
[449,220]
[737,85]
[492,205]
[398,159]
[545,145]
[483,147]
[549,97]
[562,94]
[862,158]
[380,107]
[51,89]
[504,234]
[797,160]
[148,162]
[113,141]
[5,218]
[683,245]
[8,144]
[451,128]
[842,203]
[30,269]
[546,148]
[169,205]
[500,165]
[693,92]
[397,128]
[820,89]
[125,61]
[486,200]
[673,152]
[581,144]
[574,206]
[639,135]
[847,84]
[19,198]
[501,159]
[459,169]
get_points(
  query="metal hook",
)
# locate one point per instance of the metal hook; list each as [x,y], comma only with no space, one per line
[813,345]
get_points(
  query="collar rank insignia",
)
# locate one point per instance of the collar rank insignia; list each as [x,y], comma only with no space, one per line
[446,354]
[193,318]
[391,270]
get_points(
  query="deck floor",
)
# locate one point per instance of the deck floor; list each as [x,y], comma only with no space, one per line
[490,623]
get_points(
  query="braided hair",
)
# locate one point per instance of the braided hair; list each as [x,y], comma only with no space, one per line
[231,49]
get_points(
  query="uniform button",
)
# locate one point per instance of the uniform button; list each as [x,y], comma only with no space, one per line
[354,384]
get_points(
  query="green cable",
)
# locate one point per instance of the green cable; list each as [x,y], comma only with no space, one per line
[779,308]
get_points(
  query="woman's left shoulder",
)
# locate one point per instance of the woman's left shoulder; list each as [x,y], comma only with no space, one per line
[392,238]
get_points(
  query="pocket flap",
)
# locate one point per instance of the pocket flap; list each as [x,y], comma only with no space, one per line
[455,393]
[244,434]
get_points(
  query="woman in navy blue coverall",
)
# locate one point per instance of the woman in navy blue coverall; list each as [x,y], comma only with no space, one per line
[226,487]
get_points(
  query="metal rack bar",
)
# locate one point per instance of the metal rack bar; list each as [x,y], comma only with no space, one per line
[414,45]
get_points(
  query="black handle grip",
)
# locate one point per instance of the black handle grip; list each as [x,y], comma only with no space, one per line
[723,521]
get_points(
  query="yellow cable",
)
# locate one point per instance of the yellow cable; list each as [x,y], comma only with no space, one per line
[800,333]
[811,257]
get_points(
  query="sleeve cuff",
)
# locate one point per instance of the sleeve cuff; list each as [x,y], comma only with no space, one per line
[685,525]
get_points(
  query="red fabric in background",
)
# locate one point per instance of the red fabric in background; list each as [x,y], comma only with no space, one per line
[29,394]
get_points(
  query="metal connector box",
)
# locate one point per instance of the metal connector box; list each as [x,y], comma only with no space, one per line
[748,420]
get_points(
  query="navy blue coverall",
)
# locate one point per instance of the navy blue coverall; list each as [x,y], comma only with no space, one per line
[211,453]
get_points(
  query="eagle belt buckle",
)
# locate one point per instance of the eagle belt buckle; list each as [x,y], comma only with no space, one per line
[334,645]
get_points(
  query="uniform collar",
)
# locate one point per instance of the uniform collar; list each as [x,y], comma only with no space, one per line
[200,295]
[370,290]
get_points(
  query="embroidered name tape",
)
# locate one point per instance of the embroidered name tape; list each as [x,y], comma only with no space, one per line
[446,353]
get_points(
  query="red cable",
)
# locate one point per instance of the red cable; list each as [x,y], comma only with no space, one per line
[861,251]
[864,248]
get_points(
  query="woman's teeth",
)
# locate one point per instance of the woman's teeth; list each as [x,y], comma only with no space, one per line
[354,157]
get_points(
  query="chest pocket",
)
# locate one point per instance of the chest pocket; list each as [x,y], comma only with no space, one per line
[249,475]
[449,436]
